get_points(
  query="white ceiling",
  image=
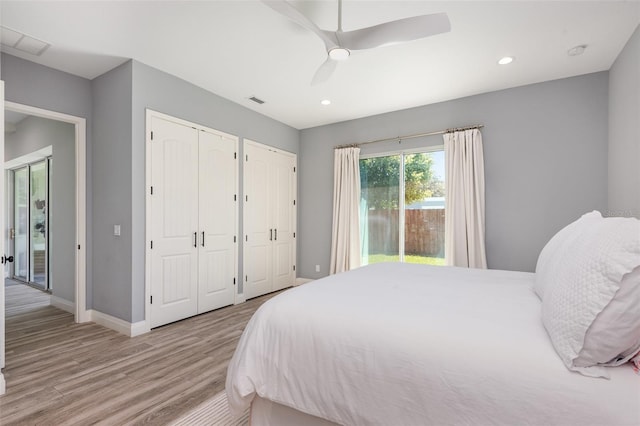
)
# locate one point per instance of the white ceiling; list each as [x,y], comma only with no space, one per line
[238,49]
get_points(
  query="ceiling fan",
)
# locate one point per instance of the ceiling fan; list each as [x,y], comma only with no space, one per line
[339,44]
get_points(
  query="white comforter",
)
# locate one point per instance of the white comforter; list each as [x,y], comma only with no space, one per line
[399,344]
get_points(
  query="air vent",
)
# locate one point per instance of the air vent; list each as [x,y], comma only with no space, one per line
[19,41]
[256,100]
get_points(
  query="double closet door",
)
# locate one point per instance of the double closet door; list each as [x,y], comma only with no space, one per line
[269,219]
[193,203]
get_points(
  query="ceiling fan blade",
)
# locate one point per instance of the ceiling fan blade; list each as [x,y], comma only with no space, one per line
[393,32]
[324,72]
[286,9]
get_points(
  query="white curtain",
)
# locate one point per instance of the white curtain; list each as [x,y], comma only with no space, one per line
[464,201]
[345,235]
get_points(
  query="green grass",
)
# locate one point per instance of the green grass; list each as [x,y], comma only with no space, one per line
[424,260]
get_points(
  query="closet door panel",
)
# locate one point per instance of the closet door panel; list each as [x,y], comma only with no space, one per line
[174,216]
[258,227]
[283,195]
[217,215]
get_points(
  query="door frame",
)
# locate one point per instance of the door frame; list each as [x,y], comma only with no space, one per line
[3,386]
[80,304]
[149,114]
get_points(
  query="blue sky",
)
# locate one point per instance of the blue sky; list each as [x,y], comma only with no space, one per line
[438,164]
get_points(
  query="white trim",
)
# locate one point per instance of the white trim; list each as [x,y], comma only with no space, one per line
[81,313]
[32,157]
[149,114]
[65,305]
[138,328]
[3,386]
[117,324]
[300,281]
[81,222]
[270,148]
[147,208]
[237,298]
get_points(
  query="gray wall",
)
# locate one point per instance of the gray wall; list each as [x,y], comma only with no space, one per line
[165,93]
[624,141]
[32,134]
[545,150]
[545,158]
[39,86]
[114,105]
[111,171]
[121,98]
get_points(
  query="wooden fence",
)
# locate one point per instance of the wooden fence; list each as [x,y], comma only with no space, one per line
[424,232]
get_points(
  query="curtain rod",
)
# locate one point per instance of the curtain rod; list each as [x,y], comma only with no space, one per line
[419,135]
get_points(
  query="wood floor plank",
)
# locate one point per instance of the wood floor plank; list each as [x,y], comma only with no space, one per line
[59,372]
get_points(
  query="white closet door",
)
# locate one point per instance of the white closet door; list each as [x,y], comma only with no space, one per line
[174,216]
[217,260]
[257,224]
[283,195]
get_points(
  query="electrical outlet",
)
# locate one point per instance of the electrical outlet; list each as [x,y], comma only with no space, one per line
[317,268]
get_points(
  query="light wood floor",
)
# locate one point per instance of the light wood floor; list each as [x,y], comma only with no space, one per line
[62,373]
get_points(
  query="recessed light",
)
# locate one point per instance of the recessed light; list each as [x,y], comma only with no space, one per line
[326,102]
[578,50]
[339,54]
[506,60]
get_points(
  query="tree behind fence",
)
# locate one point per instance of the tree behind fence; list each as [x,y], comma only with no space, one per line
[424,232]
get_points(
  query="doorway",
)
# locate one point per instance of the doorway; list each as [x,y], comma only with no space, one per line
[51,218]
[78,307]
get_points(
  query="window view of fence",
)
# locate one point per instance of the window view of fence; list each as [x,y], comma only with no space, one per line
[403,220]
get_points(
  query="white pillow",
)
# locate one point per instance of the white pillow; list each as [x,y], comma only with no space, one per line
[614,337]
[587,278]
[548,260]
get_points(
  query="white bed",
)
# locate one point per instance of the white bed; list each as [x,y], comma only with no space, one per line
[402,344]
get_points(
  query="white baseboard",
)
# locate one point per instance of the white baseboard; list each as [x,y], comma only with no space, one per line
[138,328]
[300,281]
[239,299]
[85,316]
[3,386]
[63,304]
[119,325]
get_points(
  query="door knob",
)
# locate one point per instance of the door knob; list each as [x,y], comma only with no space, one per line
[7,259]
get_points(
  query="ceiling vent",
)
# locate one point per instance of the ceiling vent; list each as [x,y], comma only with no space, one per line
[256,100]
[22,42]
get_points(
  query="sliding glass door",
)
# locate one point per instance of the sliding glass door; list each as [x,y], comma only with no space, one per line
[402,208]
[30,227]
[38,225]
[21,223]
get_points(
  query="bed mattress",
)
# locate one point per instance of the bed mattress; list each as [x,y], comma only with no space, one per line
[402,344]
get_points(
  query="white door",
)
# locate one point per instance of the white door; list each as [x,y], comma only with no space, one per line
[2,382]
[258,229]
[174,218]
[269,219]
[283,195]
[217,217]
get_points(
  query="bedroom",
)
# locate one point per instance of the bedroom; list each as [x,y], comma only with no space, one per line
[586,117]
